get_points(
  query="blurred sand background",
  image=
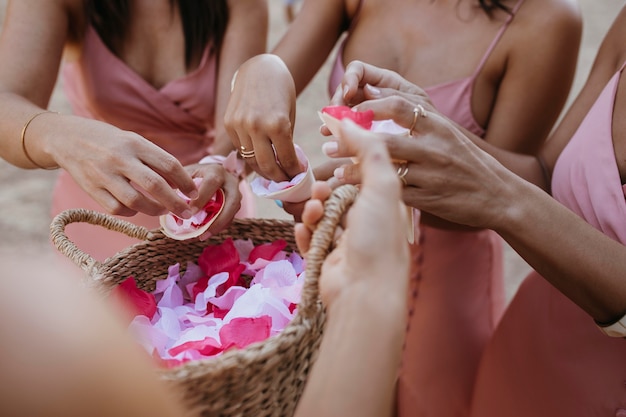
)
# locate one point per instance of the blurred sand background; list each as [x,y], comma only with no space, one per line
[25,195]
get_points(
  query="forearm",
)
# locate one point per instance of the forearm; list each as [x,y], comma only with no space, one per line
[525,166]
[356,369]
[580,261]
[15,113]
[246,37]
[310,38]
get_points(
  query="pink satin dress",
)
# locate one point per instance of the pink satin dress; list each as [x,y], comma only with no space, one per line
[457,292]
[178,117]
[547,357]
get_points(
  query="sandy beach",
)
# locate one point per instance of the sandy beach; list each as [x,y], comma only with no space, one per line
[25,195]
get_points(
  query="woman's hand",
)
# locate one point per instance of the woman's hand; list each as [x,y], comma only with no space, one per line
[363,82]
[124,172]
[447,175]
[260,117]
[214,176]
[373,245]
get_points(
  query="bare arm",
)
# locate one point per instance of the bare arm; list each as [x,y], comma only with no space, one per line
[545,38]
[246,36]
[103,159]
[356,369]
[88,365]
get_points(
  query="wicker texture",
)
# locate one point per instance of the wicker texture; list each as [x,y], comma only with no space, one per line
[264,379]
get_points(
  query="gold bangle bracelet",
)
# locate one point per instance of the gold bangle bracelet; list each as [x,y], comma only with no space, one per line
[23,140]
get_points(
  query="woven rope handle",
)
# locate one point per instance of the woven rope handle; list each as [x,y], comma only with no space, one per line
[322,243]
[62,242]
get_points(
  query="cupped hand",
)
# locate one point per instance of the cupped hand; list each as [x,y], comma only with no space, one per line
[214,176]
[122,171]
[373,244]
[260,117]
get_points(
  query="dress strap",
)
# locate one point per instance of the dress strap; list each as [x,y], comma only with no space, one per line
[494,42]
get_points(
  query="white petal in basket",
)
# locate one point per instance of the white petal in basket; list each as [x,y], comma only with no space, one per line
[182,229]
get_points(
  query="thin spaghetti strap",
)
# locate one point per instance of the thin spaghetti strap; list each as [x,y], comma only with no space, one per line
[495,40]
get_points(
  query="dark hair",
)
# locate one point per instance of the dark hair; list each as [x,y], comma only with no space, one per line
[203,21]
[490,5]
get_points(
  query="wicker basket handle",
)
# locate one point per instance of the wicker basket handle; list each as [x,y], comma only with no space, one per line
[68,248]
[322,244]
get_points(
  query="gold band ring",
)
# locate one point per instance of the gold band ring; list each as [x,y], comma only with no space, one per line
[418,111]
[246,154]
[403,169]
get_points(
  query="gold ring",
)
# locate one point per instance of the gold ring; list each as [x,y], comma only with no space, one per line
[403,169]
[418,111]
[246,154]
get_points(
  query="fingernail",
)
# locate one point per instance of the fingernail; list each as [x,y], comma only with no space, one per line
[193,195]
[187,214]
[345,91]
[339,173]
[279,203]
[373,90]
[330,148]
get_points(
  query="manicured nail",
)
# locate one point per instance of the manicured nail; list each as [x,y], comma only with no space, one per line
[330,148]
[339,173]
[187,214]
[373,90]
[345,91]
[194,194]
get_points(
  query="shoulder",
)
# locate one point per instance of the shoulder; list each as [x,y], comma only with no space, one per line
[550,16]
[612,51]
[547,28]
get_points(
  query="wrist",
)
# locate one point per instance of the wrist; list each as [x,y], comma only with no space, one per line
[385,305]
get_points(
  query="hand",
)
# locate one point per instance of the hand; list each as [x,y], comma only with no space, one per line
[215,176]
[391,97]
[323,172]
[372,254]
[448,175]
[124,172]
[260,117]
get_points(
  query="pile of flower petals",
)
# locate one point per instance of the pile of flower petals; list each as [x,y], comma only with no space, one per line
[210,309]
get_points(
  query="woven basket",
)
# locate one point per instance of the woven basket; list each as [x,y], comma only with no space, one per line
[264,379]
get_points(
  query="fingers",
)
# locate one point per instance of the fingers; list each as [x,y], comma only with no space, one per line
[359,74]
[378,173]
[214,177]
[311,215]
[377,221]
[232,203]
[159,177]
[260,117]
[124,198]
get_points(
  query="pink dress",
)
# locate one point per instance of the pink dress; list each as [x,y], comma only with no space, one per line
[547,357]
[457,292]
[178,117]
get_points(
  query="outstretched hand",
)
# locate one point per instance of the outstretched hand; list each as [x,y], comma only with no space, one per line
[373,244]
[446,174]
